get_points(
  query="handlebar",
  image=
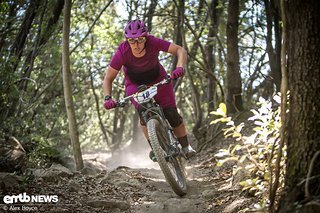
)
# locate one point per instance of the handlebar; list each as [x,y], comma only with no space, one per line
[124,101]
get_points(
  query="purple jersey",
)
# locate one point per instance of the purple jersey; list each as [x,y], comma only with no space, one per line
[141,70]
[144,70]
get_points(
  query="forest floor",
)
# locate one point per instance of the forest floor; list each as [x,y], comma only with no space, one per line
[129,186]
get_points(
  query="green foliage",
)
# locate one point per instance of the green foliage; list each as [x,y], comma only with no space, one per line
[9,96]
[42,152]
[256,152]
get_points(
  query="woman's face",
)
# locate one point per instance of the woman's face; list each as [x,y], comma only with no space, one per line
[137,44]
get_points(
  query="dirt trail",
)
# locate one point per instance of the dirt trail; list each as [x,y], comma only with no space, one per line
[118,188]
[210,188]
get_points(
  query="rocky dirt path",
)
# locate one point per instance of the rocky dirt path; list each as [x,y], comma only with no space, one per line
[129,189]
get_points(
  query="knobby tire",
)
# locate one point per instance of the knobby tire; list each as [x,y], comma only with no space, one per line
[159,140]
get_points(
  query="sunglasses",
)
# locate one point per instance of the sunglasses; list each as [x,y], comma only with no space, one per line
[139,40]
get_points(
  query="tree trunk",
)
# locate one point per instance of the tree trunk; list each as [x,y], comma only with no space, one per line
[118,128]
[198,115]
[150,13]
[20,40]
[234,90]
[303,160]
[179,37]
[273,53]
[41,39]
[115,142]
[97,102]
[73,131]
[8,24]
[211,85]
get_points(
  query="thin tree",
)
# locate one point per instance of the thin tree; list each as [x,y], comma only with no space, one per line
[73,130]
[273,27]
[234,90]
[210,48]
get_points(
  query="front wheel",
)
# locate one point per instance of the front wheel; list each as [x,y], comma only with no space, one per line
[170,166]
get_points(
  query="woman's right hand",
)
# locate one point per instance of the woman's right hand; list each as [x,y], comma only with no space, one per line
[177,73]
[109,103]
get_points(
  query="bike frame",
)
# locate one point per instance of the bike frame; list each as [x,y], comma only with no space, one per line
[151,109]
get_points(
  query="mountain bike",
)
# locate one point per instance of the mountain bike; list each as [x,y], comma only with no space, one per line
[164,143]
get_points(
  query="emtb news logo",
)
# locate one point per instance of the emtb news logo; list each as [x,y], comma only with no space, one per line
[24,198]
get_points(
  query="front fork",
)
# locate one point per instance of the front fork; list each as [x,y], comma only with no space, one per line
[174,145]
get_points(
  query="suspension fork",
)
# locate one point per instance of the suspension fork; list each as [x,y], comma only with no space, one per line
[173,145]
[156,110]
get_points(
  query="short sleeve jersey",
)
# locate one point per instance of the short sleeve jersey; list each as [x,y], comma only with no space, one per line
[140,70]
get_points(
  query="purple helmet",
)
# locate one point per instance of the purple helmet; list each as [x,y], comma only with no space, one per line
[135,29]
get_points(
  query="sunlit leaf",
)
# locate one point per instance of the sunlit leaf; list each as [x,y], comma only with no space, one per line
[243,183]
[243,158]
[230,123]
[216,113]
[228,135]
[239,127]
[216,121]
[223,108]
[222,153]
[226,120]
[236,135]
[259,123]
[277,98]
[237,147]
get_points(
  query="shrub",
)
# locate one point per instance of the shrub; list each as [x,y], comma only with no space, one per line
[42,153]
[255,153]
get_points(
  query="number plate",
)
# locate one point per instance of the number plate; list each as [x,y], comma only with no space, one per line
[147,95]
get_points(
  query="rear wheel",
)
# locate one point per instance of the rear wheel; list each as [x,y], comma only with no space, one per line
[171,167]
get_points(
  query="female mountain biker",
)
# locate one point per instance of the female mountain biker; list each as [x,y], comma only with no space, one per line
[138,56]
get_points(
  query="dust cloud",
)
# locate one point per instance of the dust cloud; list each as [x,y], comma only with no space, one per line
[135,154]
